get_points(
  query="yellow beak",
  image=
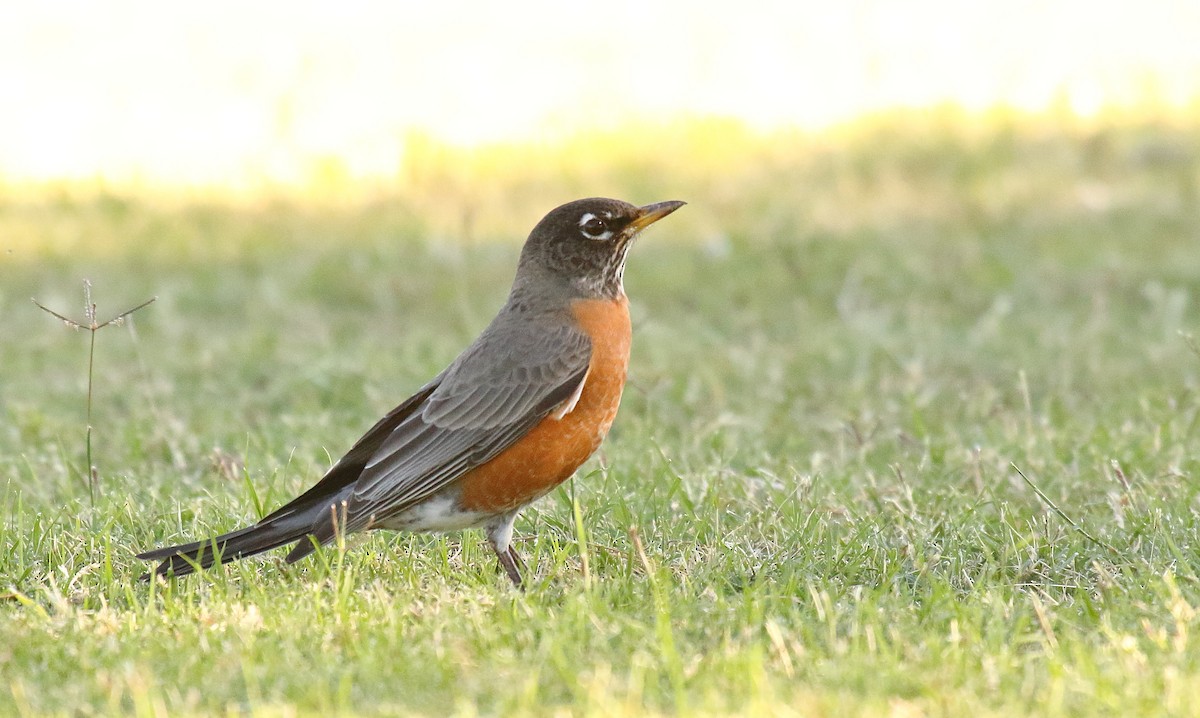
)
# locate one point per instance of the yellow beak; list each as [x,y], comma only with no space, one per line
[651,213]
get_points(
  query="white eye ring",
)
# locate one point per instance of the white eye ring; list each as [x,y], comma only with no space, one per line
[593,227]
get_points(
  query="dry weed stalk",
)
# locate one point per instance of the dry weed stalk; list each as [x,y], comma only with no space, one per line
[92,326]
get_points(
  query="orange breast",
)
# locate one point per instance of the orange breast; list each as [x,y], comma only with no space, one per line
[550,453]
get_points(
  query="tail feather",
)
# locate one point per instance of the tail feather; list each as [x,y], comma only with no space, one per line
[187,558]
[304,519]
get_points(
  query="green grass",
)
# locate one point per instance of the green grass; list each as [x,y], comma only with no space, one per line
[841,348]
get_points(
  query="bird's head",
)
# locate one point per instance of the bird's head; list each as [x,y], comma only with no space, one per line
[585,242]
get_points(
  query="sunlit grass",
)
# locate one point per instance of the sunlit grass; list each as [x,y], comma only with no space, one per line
[841,348]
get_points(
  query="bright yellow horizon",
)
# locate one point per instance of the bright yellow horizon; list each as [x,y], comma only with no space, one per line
[246,94]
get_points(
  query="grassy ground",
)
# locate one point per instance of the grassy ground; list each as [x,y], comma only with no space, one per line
[842,348]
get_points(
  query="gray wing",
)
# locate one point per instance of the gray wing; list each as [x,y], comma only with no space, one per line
[491,396]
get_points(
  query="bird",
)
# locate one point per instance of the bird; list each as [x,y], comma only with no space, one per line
[511,418]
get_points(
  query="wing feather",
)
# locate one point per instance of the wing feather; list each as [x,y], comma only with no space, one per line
[492,395]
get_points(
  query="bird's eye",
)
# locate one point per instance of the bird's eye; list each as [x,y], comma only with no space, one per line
[594,227]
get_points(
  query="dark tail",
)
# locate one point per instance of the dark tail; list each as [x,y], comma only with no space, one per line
[263,536]
[309,519]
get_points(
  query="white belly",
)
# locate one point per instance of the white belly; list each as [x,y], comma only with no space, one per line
[437,513]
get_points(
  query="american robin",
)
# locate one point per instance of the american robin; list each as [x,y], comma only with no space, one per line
[509,420]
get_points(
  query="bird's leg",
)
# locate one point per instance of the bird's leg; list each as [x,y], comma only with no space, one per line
[511,563]
[516,558]
[499,534]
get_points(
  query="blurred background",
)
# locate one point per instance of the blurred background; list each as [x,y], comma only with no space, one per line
[254,98]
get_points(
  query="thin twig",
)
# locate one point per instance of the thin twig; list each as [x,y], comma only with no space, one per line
[69,322]
[91,325]
[1053,506]
[120,318]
